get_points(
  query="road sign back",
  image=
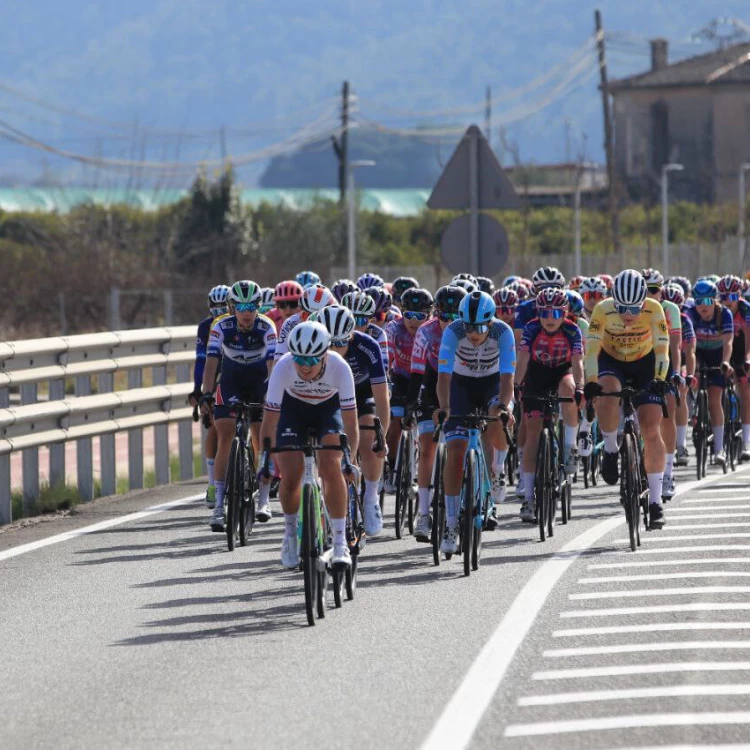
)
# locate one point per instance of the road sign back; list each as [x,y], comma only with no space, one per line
[493,245]
[453,189]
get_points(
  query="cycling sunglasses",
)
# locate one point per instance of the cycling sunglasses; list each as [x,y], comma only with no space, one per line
[290,304]
[246,307]
[730,297]
[447,317]
[307,361]
[412,315]
[628,309]
[593,295]
[556,314]
[361,320]
[476,328]
[216,311]
[705,301]
[653,288]
[341,343]
[506,309]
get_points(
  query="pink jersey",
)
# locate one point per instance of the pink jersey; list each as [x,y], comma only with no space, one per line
[400,344]
[426,347]
[278,320]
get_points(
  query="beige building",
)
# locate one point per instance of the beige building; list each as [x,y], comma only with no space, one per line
[695,112]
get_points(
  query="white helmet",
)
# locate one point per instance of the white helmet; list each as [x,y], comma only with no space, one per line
[547,276]
[309,339]
[593,284]
[629,288]
[315,298]
[338,321]
[466,284]
[267,299]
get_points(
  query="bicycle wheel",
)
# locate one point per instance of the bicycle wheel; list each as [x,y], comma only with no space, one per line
[631,488]
[700,434]
[309,553]
[585,468]
[250,485]
[402,490]
[564,500]
[468,509]
[412,462]
[350,581]
[542,482]
[438,504]
[323,542]
[233,494]
[482,503]
[337,584]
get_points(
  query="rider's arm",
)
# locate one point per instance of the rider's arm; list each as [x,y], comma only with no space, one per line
[577,369]
[506,364]
[660,337]
[446,356]
[521,365]
[274,396]
[348,402]
[690,357]
[727,340]
[594,339]
[213,357]
[727,331]
[382,404]
[201,345]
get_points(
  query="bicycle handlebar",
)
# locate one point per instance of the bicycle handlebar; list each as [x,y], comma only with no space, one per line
[631,393]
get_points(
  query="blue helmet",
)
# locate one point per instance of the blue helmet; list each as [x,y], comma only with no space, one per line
[477,308]
[705,288]
[366,280]
[307,278]
[575,302]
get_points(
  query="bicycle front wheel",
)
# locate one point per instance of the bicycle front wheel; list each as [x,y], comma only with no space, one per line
[631,488]
[310,553]
[250,485]
[468,510]
[234,494]
[402,489]
[543,482]
[438,504]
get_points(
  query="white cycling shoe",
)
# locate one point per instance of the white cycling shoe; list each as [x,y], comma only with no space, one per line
[373,519]
[521,487]
[289,554]
[341,556]
[449,545]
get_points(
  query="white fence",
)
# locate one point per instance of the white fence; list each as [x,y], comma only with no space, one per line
[54,418]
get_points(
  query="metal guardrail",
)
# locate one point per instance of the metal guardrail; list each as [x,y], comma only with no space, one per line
[63,418]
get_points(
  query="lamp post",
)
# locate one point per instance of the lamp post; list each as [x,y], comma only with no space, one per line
[665,170]
[351,249]
[741,230]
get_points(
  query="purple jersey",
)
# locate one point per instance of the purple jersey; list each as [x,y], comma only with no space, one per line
[400,344]
[426,347]
[551,349]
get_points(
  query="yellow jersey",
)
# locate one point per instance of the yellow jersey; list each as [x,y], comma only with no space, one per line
[607,331]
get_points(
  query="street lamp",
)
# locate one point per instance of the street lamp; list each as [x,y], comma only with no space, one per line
[741,230]
[351,250]
[665,170]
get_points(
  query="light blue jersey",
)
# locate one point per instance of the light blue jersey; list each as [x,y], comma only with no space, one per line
[458,355]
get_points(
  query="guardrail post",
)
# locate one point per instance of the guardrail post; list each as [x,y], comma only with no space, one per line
[84,448]
[6,504]
[135,440]
[161,436]
[107,445]
[56,450]
[185,431]
[30,458]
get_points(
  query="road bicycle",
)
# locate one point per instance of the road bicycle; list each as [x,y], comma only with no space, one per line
[701,421]
[405,472]
[437,488]
[590,464]
[732,425]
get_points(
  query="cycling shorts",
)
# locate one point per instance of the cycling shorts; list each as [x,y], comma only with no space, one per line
[468,394]
[710,358]
[638,374]
[426,406]
[541,381]
[298,418]
[399,390]
[738,358]
[250,393]
[365,399]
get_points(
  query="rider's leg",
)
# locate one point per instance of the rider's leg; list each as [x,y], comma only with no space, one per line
[225,429]
[669,435]
[533,431]
[424,471]
[743,390]
[608,413]
[453,474]
[649,419]
[716,413]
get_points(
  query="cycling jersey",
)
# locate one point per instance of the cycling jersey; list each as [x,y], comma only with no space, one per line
[583,325]
[201,346]
[709,334]
[286,328]
[672,316]
[551,349]
[379,335]
[242,353]
[277,318]
[400,344]
[364,358]
[688,332]
[335,380]
[496,354]
[627,343]
[424,355]
[741,318]
[525,313]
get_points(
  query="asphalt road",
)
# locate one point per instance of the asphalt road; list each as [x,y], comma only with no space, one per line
[146,633]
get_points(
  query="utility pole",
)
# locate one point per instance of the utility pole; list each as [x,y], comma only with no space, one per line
[488,115]
[341,144]
[608,139]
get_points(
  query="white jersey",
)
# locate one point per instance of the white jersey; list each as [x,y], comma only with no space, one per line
[286,329]
[336,378]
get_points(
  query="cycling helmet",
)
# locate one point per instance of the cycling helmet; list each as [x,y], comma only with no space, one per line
[729,285]
[315,298]
[521,290]
[287,291]
[629,288]
[713,277]
[309,339]
[551,299]
[465,277]
[359,303]
[508,280]
[575,302]
[267,299]
[307,278]
[416,300]
[448,298]
[506,296]
[673,293]
[575,282]
[705,288]
[746,291]
[547,276]
[338,321]
[466,284]
[401,284]
[366,280]
[682,281]
[485,284]
[477,308]
[608,280]
[217,298]
[244,292]
[383,299]
[592,284]
[342,287]
[652,277]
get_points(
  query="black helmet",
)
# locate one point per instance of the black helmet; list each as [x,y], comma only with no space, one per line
[416,300]
[485,284]
[401,284]
[448,298]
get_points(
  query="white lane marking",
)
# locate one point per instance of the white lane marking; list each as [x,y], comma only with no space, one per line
[93,528]
[695,561]
[638,721]
[631,669]
[671,550]
[698,516]
[684,591]
[688,537]
[659,627]
[712,508]
[668,576]
[637,648]
[594,696]
[458,721]
[657,609]
[683,526]
[718,496]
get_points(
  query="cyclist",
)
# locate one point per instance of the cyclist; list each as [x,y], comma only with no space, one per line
[217,307]
[362,354]
[313,299]
[422,398]
[674,293]
[244,344]
[416,306]
[550,358]
[575,311]
[363,309]
[468,285]
[475,371]
[400,285]
[286,295]
[655,286]
[366,280]
[311,388]
[343,287]
[628,341]
[714,334]
[506,304]
[267,301]
[608,282]
[575,282]
[385,312]
[307,278]
[593,290]
[485,285]
[730,288]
